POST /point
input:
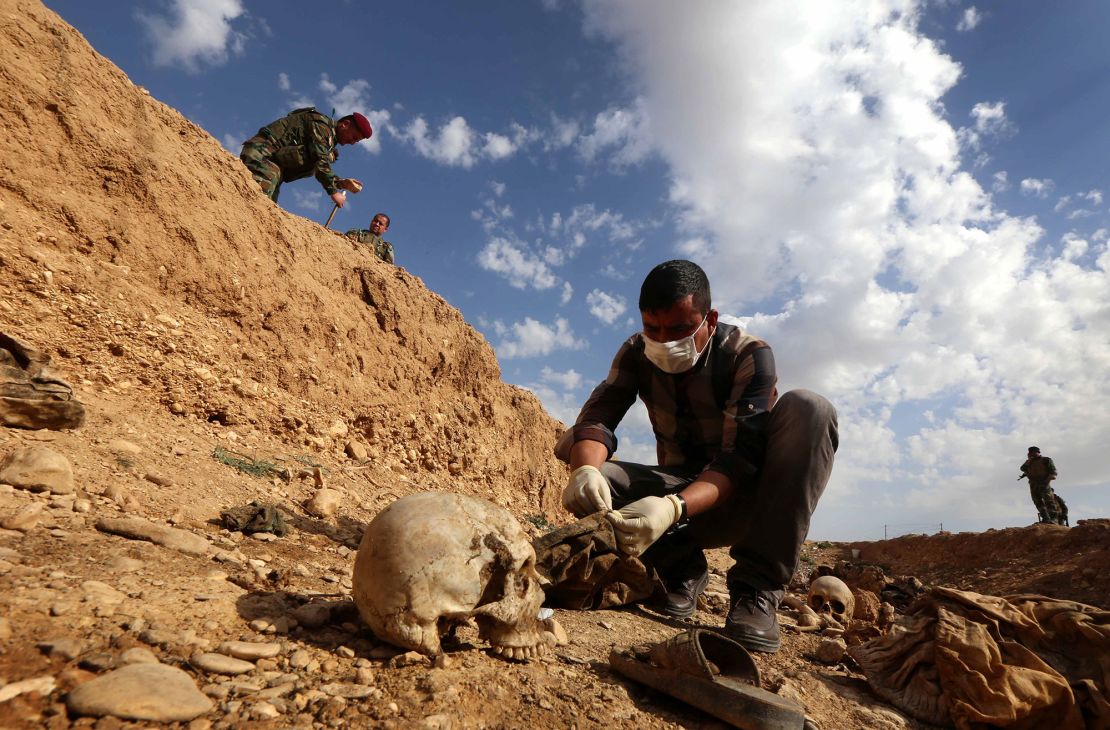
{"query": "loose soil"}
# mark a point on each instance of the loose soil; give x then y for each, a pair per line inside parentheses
(200, 323)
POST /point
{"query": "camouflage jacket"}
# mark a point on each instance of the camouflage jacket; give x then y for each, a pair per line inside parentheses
(304, 144)
(383, 249)
(1039, 470)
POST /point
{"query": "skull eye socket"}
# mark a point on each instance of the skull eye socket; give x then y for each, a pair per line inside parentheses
(837, 607)
(816, 602)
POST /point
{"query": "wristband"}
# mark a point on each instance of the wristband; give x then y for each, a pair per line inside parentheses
(680, 506)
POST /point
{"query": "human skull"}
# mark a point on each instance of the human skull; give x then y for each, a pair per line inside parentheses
(432, 560)
(830, 597)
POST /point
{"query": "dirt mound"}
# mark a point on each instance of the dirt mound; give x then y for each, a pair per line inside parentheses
(1045, 559)
(139, 252)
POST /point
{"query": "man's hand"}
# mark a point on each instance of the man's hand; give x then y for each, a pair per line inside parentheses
(587, 492)
(349, 183)
(644, 521)
(339, 197)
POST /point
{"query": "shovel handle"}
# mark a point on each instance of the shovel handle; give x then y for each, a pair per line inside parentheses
(331, 215)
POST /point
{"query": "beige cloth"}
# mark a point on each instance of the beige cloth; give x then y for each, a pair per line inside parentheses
(975, 661)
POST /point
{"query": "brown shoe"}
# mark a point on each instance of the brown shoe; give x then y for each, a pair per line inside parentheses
(753, 620)
(684, 583)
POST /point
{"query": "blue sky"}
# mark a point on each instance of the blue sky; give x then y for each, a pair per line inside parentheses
(905, 199)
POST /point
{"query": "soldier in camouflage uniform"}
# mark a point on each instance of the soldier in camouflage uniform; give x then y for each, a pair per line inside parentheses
(373, 237)
(1041, 471)
(302, 144)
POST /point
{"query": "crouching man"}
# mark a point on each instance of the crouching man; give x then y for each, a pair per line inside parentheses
(736, 468)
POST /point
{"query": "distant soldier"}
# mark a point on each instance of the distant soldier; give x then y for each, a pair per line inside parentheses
(300, 144)
(373, 237)
(1041, 471)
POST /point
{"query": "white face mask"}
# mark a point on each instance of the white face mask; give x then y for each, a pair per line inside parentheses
(677, 356)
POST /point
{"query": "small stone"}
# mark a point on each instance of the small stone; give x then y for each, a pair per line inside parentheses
(356, 451)
(221, 664)
(365, 675)
(264, 711)
(346, 652)
(43, 685)
(347, 691)
(154, 692)
(101, 661)
(123, 564)
(250, 650)
(556, 629)
(137, 528)
(338, 429)
(299, 659)
(37, 469)
(160, 480)
(82, 505)
(122, 446)
(26, 518)
(159, 637)
(261, 625)
(605, 625)
(437, 722)
(831, 651)
(138, 655)
(167, 320)
(68, 649)
(324, 504)
(408, 659)
(5, 628)
(384, 651)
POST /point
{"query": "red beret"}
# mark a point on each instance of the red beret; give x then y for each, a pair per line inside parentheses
(363, 125)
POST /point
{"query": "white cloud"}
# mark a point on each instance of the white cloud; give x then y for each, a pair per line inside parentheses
(622, 133)
(498, 188)
(520, 267)
(1001, 182)
(354, 96)
(531, 338)
(989, 118)
(233, 142)
(587, 218)
(283, 81)
(1037, 188)
(606, 307)
(821, 171)
(568, 292)
(306, 199)
(195, 33)
(969, 20)
(456, 144)
(1094, 197)
(569, 380)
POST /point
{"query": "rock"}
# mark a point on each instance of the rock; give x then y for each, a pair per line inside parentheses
(250, 650)
(122, 446)
(123, 564)
(346, 652)
(154, 692)
(347, 691)
(82, 505)
(556, 629)
(264, 711)
(160, 480)
(867, 606)
(159, 637)
(221, 664)
(831, 651)
(338, 429)
(299, 659)
(167, 320)
(437, 722)
(138, 655)
(312, 615)
(26, 518)
(101, 595)
(37, 469)
(137, 528)
(356, 451)
(68, 649)
(408, 659)
(5, 628)
(42, 685)
(324, 504)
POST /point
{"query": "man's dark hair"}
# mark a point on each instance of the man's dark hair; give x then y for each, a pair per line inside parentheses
(1034, 448)
(383, 215)
(671, 281)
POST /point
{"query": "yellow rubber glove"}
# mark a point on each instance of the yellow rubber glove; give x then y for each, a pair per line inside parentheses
(641, 523)
(587, 492)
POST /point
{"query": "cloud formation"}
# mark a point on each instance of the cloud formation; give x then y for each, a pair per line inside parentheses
(606, 307)
(824, 188)
(531, 338)
(194, 33)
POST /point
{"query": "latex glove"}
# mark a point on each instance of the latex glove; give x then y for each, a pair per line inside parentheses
(339, 197)
(641, 523)
(587, 492)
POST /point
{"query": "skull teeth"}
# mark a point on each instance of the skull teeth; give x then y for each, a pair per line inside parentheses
(520, 653)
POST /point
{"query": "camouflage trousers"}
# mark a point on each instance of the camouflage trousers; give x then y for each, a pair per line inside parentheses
(256, 155)
(1044, 500)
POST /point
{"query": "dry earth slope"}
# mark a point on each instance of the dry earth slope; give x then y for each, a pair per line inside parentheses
(116, 210)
